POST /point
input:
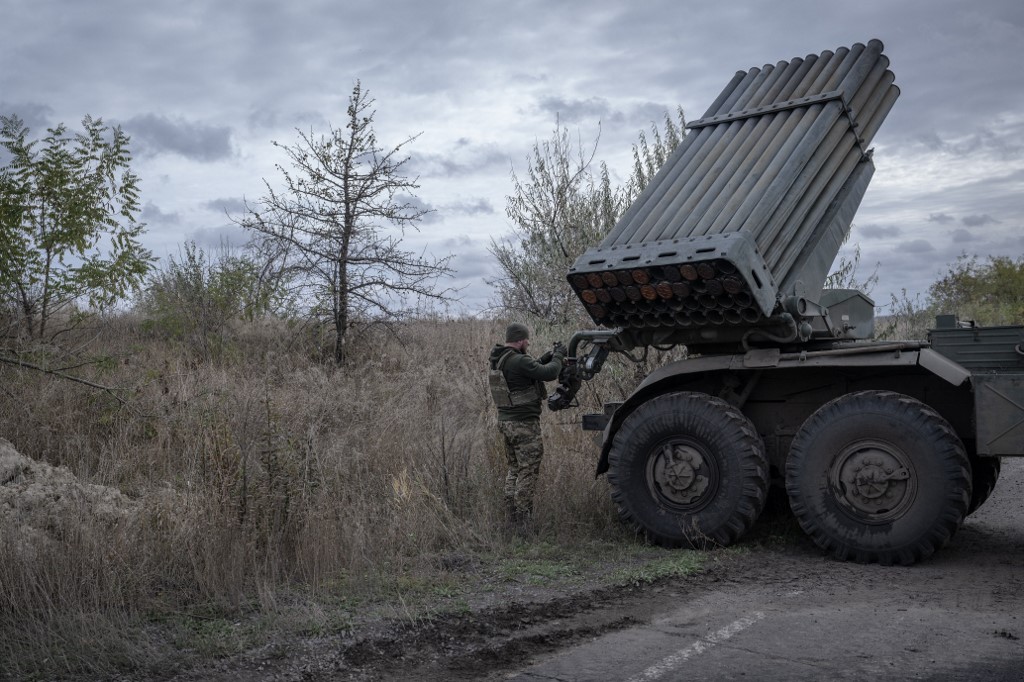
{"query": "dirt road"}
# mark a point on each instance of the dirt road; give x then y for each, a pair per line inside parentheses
(789, 614)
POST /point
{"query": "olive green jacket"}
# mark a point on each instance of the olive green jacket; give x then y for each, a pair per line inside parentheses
(523, 372)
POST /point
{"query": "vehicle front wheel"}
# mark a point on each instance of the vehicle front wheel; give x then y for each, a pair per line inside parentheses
(688, 469)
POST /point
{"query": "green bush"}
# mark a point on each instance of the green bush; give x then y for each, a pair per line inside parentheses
(194, 298)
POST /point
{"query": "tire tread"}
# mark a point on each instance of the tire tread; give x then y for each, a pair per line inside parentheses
(954, 462)
(753, 469)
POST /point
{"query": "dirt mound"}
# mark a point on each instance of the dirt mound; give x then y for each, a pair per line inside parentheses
(40, 503)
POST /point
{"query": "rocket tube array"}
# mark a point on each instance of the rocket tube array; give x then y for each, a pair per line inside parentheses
(790, 138)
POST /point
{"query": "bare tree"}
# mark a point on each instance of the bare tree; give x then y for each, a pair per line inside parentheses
(342, 192)
(558, 209)
(562, 206)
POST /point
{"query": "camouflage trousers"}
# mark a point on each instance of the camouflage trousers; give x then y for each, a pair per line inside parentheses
(523, 451)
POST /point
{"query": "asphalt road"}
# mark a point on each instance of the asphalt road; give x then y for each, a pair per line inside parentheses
(792, 614)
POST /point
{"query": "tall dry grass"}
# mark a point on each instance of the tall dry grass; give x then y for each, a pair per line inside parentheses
(261, 473)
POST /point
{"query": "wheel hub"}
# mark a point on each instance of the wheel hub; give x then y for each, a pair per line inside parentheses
(874, 480)
(677, 474)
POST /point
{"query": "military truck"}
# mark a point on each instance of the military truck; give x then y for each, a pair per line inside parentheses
(882, 447)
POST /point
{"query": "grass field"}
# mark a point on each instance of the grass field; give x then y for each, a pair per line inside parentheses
(260, 480)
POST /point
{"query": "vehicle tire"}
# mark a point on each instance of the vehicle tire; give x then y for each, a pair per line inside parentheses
(878, 476)
(984, 474)
(688, 469)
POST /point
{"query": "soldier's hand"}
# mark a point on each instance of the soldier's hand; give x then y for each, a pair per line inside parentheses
(559, 349)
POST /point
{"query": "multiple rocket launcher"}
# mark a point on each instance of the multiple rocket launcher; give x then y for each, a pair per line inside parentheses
(752, 207)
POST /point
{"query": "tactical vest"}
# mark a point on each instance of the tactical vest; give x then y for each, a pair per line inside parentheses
(503, 397)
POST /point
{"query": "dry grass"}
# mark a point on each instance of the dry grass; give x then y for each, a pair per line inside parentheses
(259, 476)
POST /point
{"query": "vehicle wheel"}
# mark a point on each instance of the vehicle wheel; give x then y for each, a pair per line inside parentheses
(878, 476)
(984, 474)
(688, 469)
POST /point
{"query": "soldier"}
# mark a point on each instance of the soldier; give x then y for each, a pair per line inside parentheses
(517, 385)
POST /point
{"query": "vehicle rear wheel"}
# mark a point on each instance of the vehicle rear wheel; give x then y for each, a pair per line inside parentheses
(688, 469)
(984, 474)
(878, 476)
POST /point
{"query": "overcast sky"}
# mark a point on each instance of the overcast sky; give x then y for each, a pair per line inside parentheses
(204, 86)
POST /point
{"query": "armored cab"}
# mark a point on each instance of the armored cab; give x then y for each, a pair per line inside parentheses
(882, 447)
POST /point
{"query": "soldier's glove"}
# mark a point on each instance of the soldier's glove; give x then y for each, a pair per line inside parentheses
(559, 351)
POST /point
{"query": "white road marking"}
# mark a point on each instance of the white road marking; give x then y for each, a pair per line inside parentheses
(669, 663)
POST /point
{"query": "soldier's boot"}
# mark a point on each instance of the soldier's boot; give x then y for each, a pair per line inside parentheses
(522, 525)
(511, 515)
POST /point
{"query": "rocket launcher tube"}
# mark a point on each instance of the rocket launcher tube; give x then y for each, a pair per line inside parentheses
(766, 185)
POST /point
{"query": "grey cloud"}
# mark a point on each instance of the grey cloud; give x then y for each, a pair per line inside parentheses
(993, 201)
(600, 109)
(916, 246)
(1001, 142)
(465, 159)
(151, 213)
(912, 266)
(930, 141)
(37, 117)
(471, 262)
(272, 119)
(877, 231)
(978, 220)
(416, 205)
(461, 243)
(436, 214)
(472, 259)
(270, 67)
(1004, 242)
(153, 134)
(654, 113)
(474, 266)
(477, 207)
(576, 110)
(228, 235)
(232, 206)
(916, 270)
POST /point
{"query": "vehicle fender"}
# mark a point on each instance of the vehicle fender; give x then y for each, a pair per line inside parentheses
(878, 354)
(659, 381)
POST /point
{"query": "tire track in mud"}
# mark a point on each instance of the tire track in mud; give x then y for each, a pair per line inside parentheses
(473, 646)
